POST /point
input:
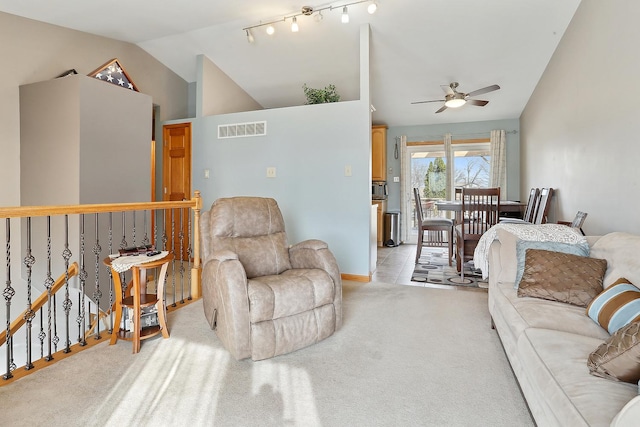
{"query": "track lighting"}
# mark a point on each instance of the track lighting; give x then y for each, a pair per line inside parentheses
(345, 15)
(310, 11)
(250, 38)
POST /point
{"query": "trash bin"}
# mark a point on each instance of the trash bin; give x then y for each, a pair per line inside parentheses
(391, 229)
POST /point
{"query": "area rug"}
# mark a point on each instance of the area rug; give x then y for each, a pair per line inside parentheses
(433, 267)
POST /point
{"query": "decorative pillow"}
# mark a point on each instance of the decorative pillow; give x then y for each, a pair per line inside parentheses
(616, 306)
(523, 245)
(557, 276)
(618, 358)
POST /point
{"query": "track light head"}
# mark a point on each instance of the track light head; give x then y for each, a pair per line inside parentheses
(345, 15)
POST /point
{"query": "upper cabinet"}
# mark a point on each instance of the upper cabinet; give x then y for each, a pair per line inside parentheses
(378, 153)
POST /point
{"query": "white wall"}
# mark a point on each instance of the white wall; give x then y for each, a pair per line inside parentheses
(579, 131)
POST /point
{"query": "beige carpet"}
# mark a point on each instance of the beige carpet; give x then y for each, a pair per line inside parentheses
(406, 356)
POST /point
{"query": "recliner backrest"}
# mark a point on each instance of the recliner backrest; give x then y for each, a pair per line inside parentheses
(251, 227)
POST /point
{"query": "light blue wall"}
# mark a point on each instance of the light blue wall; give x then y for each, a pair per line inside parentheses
(458, 131)
(309, 146)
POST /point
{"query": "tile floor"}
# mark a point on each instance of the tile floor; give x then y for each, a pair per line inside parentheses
(395, 265)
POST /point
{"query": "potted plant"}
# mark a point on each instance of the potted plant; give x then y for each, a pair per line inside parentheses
(320, 96)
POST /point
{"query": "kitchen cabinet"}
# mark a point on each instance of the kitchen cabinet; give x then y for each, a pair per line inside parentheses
(379, 153)
(382, 208)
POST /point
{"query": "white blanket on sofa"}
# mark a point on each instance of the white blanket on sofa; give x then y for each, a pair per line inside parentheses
(532, 232)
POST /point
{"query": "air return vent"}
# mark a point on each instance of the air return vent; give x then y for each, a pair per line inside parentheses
(240, 130)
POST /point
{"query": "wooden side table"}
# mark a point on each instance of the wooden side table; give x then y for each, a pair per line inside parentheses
(138, 300)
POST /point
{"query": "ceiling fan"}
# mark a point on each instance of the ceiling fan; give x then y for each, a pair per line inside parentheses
(455, 99)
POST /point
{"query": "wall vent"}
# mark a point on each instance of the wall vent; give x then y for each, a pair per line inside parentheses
(240, 130)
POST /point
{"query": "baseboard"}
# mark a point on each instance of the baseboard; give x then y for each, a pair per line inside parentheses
(355, 277)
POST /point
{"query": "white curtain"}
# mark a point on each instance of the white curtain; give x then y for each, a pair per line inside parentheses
(498, 167)
(405, 194)
(448, 150)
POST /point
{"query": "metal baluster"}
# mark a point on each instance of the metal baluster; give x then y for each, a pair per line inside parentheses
(173, 248)
(29, 314)
(123, 242)
(164, 230)
(83, 279)
(109, 274)
(145, 239)
(66, 305)
(56, 339)
(181, 237)
(8, 294)
(97, 294)
(133, 231)
(41, 334)
(48, 284)
(189, 253)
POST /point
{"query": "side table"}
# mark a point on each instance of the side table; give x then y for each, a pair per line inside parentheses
(140, 299)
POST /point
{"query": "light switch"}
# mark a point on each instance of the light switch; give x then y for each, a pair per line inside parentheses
(396, 179)
(206, 174)
(347, 170)
(271, 172)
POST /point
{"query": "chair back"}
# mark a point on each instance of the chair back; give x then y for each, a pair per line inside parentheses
(252, 228)
(532, 205)
(482, 207)
(544, 204)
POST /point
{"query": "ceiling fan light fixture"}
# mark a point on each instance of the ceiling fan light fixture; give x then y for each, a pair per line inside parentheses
(455, 101)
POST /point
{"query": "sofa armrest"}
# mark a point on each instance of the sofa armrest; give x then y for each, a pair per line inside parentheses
(495, 266)
(629, 415)
(226, 303)
(316, 254)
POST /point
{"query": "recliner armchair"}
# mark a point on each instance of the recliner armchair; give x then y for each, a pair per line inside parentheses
(261, 297)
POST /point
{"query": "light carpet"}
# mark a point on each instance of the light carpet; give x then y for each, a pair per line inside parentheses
(433, 267)
(405, 356)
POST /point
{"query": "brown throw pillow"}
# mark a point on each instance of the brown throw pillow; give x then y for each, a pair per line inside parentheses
(618, 358)
(561, 277)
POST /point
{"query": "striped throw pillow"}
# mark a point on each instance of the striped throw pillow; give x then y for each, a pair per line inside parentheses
(616, 306)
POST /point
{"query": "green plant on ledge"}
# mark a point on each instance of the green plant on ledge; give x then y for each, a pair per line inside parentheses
(320, 96)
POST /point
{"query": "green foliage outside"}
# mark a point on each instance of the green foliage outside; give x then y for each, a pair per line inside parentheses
(435, 182)
(320, 96)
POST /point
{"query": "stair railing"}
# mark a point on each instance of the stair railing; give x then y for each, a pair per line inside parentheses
(74, 241)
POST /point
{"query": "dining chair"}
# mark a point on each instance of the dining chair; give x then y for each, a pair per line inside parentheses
(434, 228)
(544, 203)
(529, 212)
(482, 206)
(577, 222)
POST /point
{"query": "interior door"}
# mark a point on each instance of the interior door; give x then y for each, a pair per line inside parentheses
(176, 183)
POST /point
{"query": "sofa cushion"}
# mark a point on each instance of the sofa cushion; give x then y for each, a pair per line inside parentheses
(618, 358)
(289, 293)
(561, 277)
(616, 306)
(555, 364)
(621, 252)
(521, 313)
(523, 245)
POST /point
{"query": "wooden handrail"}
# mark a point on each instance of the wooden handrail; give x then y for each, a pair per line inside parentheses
(40, 301)
(33, 211)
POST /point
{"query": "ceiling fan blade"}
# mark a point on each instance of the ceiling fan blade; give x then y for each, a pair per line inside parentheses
(424, 102)
(477, 102)
(484, 90)
(447, 89)
(444, 107)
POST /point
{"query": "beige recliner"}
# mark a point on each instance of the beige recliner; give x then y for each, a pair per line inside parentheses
(262, 297)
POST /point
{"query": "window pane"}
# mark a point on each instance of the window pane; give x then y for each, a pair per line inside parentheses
(471, 167)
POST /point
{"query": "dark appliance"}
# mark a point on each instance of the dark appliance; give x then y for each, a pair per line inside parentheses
(379, 190)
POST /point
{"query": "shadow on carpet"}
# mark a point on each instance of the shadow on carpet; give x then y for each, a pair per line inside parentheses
(433, 267)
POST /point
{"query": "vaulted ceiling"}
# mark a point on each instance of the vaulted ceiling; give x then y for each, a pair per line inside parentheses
(416, 46)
